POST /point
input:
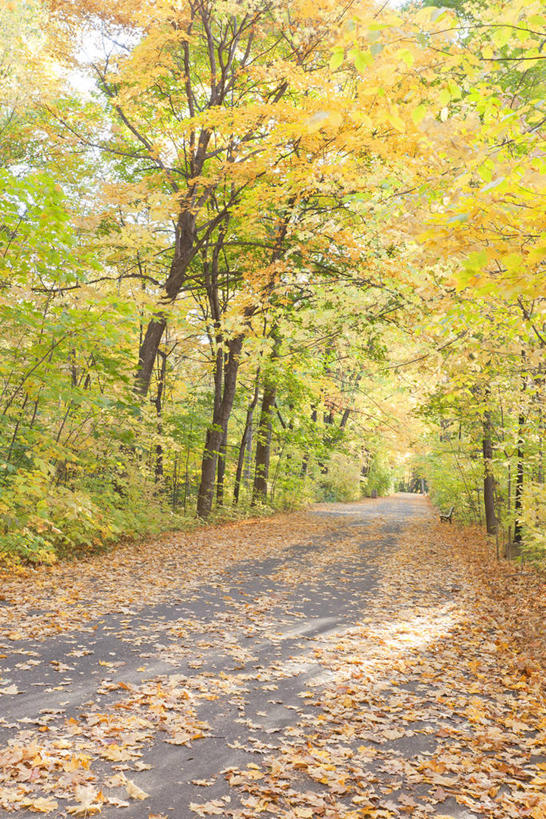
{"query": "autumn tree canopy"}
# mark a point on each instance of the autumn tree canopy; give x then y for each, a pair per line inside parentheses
(260, 252)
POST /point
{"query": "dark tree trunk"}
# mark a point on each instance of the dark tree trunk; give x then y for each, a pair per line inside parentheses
(263, 434)
(488, 479)
(263, 444)
(159, 409)
(305, 460)
(247, 468)
(221, 471)
(185, 250)
(518, 498)
(518, 495)
(247, 435)
(213, 441)
(225, 381)
(328, 418)
(148, 352)
(208, 472)
(541, 425)
(187, 470)
(290, 427)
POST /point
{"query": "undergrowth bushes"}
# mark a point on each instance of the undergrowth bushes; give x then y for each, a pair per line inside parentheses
(42, 521)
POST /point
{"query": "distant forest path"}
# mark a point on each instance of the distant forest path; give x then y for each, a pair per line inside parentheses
(358, 660)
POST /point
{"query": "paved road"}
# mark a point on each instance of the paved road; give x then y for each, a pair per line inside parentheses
(243, 649)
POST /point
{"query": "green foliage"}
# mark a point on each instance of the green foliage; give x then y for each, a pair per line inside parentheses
(453, 479)
(341, 483)
(281, 207)
(534, 523)
(379, 476)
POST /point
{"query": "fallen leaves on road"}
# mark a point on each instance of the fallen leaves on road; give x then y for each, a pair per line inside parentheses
(423, 699)
(447, 671)
(53, 599)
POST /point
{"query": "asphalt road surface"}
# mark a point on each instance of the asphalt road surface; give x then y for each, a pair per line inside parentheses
(245, 650)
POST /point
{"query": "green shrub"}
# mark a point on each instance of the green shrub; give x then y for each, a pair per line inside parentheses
(342, 480)
(378, 479)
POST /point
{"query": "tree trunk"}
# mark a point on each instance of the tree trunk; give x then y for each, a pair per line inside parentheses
(263, 444)
(539, 398)
(221, 471)
(247, 433)
(328, 419)
(185, 249)
(159, 409)
(290, 428)
(488, 478)
(148, 352)
(305, 460)
(518, 497)
(277, 471)
(224, 393)
(187, 471)
(344, 418)
(174, 493)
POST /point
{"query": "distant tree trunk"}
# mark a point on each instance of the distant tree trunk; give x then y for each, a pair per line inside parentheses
(344, 418)
(347, 410)
(518, 495)
(277, 471)
(263, 444)
(305, 459)
(509, 506)
(225, 381)
(159, 409)
(174, 493)
(263, 435)
(187, 470)
(488, 478)
(539, 398)
(247, 435)
(247, 469)
(328, 419)
(221, 471)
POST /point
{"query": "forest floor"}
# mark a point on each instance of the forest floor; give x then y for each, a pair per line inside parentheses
(359, 660)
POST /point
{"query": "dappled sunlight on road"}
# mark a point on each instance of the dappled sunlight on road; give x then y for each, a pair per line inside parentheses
(414, 632)
(358, 673)
(409, 711)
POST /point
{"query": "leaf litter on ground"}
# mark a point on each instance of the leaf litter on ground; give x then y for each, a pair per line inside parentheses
(432, 699)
